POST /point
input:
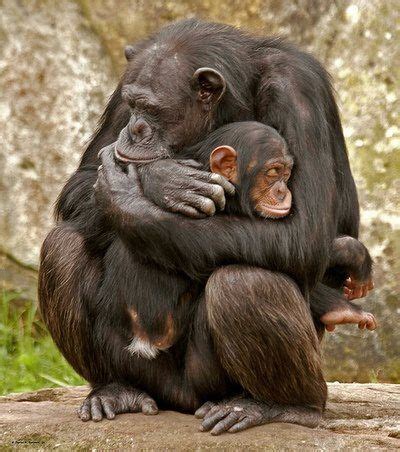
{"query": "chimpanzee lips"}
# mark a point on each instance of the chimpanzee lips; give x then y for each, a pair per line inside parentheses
(146, 150)
(141, 158)
(267, 211)
(277, 212)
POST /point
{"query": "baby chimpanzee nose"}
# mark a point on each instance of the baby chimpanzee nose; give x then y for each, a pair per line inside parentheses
(140, 129)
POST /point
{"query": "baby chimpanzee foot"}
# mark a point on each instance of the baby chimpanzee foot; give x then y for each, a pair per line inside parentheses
(354, 288)
(365, 320)
(240, 413)
(107, 401)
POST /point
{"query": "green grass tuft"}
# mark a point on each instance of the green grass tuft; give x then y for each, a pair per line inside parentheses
(29, 359)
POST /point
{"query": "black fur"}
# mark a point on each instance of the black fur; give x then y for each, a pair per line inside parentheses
(269, 81)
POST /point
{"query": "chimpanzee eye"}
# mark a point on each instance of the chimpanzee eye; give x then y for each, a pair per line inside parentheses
(273, 172)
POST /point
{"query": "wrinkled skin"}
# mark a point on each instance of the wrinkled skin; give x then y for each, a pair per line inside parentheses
(364, 320)
(190, 191)
(240, 413)
(113, 399)
(354, 288)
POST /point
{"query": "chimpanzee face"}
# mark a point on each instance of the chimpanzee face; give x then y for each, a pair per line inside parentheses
(270, 195)
(266, 175)
(170, 106)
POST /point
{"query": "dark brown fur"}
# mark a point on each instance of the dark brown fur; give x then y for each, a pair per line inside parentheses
(218, 355)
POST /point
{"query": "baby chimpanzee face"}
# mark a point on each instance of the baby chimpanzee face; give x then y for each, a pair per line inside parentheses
(269, 194)
(261, 169)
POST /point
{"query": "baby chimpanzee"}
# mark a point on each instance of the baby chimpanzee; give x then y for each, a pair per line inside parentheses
(255, 158)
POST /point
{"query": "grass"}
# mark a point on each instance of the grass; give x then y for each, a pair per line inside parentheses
(29, 359)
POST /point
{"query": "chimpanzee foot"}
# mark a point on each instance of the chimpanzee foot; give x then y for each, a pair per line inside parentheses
(239, 413)
(115, 398)
(365, 320)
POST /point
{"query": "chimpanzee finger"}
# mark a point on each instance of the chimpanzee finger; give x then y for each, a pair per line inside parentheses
(108, 409)
(358, 292)
(215, 194)
(149, 406)
(371, 323)
(364, 291)
(225, 184)
(109, 148)
(370, 284)
(190, 163)
(96, 409)
(201, 203)
(204, 409)
(349, 283)
(330, 328)
(84, 411)
(109, 165)
(187, 210)
(214, 178)
(225, 424)
(213, 417)
(244, 424)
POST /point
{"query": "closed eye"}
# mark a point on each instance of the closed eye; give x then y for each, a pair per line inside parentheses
(272, 172)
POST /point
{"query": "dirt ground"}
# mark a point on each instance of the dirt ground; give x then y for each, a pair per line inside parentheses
(358, 417)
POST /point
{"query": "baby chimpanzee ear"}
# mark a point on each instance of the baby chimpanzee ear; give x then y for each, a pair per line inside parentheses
(210, 86)
(223, 160)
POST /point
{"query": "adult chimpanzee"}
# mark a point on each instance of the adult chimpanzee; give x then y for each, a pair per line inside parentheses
(188, 79)
(254, 157)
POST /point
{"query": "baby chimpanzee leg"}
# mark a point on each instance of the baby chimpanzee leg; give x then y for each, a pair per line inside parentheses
(266, 340)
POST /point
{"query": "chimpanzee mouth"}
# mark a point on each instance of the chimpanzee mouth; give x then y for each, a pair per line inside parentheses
(146, 150)
(119, 155)
(274, 212)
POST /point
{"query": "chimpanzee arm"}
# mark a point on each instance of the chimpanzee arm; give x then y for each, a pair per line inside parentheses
(76, 206)
(352, 256)
(350, 268)
(197, 247)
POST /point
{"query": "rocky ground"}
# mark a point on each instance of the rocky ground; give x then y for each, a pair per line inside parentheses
(358, 417)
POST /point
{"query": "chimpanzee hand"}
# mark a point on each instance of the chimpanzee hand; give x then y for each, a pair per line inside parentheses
(115, 398)
(180, 187)
(232, 415)
(116, 186)
(354, 288)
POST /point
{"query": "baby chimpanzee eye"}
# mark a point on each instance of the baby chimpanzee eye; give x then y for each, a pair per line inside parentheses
(272, 172)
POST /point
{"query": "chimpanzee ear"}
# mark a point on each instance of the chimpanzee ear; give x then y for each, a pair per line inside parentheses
(130, 52)
(223, 160)
(210, 86)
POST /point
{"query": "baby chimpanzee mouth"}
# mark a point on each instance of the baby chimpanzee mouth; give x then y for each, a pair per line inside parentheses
(273, 211)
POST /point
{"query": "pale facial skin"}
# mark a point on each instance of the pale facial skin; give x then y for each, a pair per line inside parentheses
(270, 194)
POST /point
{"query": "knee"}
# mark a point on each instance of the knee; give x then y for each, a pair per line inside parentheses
(241, 284)
(61, 242)
(63, 255)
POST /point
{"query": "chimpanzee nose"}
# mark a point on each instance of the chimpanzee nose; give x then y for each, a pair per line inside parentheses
(140, 129)
(281, 191)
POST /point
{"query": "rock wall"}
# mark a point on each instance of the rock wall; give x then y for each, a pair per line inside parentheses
(55, 79)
